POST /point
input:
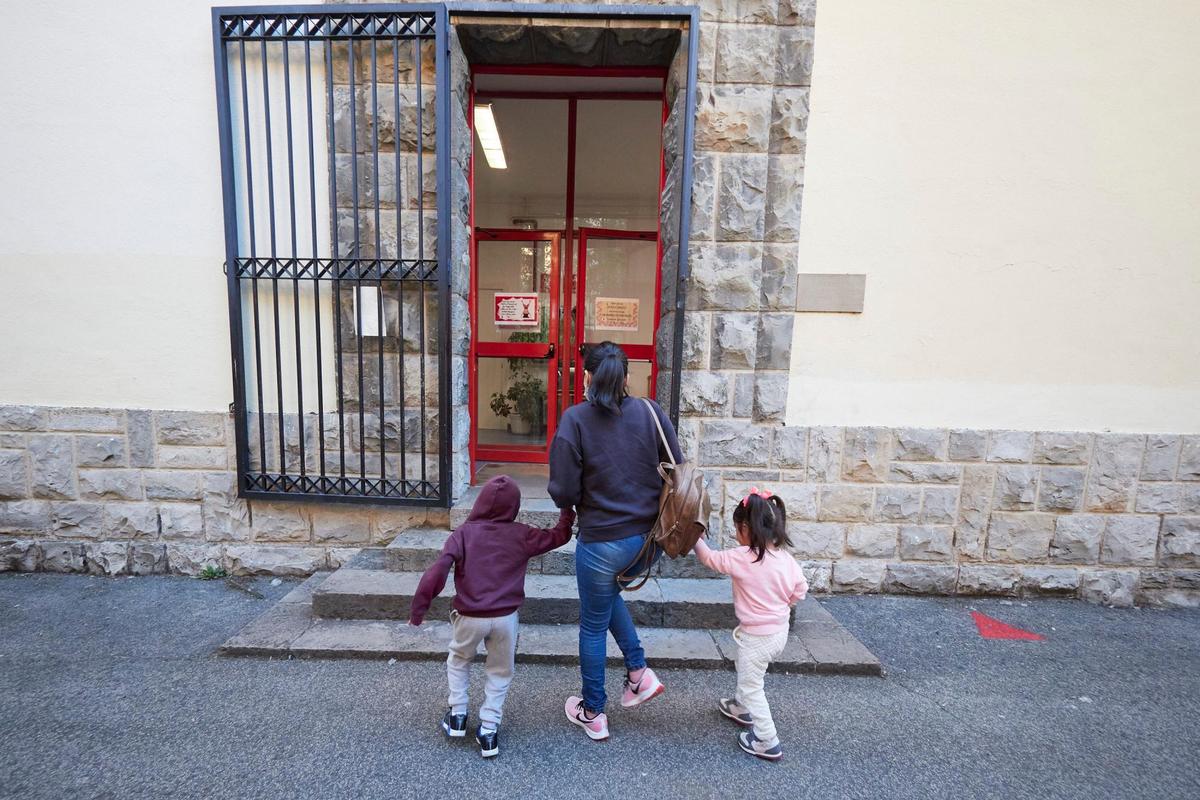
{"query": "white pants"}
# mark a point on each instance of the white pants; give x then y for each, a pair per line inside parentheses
(499, 636)
(754, 655)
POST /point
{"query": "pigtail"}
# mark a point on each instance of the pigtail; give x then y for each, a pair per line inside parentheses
(780, 529)
(766, 520)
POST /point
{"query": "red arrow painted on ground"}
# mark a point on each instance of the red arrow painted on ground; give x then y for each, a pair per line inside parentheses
(990, 628)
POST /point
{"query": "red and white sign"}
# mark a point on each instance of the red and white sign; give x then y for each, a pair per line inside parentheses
(516, 310)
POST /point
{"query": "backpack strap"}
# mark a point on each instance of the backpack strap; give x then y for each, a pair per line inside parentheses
(661, 433)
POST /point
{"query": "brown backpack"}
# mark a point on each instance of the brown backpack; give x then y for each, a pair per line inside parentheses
(683, 510)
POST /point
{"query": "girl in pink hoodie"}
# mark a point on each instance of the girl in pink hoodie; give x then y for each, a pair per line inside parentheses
(767, 582)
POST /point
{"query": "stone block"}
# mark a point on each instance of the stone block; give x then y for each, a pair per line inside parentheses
(865, 454)
(745, 54)
(841, 503)
(182, 521)
(129, 521)
(794, 56)
(1050, 447)
(974, 510)
(110, 484)
(22, 418)
(940, 505)
(967, 445)
(1013, 447)
(777, 285)
(920, 578)
(1112, 480)
(1111, 587)
(797, 12)
(1189, 458)
(872, 541)
(824, 454)
(141, 438)
(1180, 542)
(785, 192)
(729, 443)
(280, 560)
(919, 444)
(917, 472)
(165, 484)
(1189, 498)
(790, 448)
(147, 558)
(78, 520)
(988, 580)
(186, 457)
(1158, 498)
(819, 575)
(704, 197)
(852, 575)
(100, 451)
(87, 420)
(742, 198)
(52, 467)
(106, 558)
(770, 396)
(1061, 489)
(1077, 539)
(226, 518)
(789, 119)
(926, 542)
(897, 504)
(19, 555)
(817, 539)
(725, 276)
(1050, 580)
(799, 499)
(731, 118)
(190, 428)
(25, 517)
(1019, 536)
(704, 393)
(1186, 579)
(14, 475)
(774, 350)
(341, 526)
(191, 559)
(280, 523)
(62, 557)
(734, 341)
(1161, 458)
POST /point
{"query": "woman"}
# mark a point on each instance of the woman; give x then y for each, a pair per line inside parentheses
(604, 462)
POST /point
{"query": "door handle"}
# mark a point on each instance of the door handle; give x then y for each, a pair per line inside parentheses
(549, 351)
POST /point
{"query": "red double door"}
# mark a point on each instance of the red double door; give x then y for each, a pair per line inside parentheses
(537, 310)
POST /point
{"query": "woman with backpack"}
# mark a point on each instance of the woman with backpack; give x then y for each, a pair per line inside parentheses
(604, 461)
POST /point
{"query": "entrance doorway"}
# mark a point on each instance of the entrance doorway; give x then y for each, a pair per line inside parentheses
(566, 177)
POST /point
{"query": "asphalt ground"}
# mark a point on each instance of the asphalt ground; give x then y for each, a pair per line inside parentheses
(110, 688)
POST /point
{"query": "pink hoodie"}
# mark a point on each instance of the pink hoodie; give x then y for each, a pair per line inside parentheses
(763, 592)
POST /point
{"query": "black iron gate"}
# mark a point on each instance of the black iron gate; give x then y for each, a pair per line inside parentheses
(334, 126)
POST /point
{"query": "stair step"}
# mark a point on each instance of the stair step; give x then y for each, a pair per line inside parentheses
(417, 548)
(289, 629)
(549, 599)
(540, 512)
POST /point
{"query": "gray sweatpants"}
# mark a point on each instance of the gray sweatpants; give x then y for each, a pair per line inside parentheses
(499, 636)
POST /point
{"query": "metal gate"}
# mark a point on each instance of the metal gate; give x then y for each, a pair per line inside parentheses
(334, 128)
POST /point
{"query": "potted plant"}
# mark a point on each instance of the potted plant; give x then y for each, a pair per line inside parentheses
(523, 403)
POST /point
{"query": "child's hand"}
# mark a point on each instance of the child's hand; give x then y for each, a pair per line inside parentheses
(414, 623)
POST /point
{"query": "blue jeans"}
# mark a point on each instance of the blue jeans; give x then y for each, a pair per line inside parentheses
(601, 610)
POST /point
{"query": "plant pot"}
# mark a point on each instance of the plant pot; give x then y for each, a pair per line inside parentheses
(518, 426)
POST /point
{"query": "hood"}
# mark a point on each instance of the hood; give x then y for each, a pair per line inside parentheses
(499, 501)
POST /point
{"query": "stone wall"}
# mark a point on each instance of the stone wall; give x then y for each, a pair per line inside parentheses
(112, 491)
(1112, 518)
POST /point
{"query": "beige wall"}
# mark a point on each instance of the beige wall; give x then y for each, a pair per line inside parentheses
(1020, 182)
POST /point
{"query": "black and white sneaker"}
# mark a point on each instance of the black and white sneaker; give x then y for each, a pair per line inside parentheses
(455, 725)
(756, 747)
(489, 741)
(735, 712)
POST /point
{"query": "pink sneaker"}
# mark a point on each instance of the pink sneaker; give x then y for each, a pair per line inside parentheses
(596, 728)
(645, 689)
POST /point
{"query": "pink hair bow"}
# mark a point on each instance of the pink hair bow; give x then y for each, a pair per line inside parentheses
(754, 490)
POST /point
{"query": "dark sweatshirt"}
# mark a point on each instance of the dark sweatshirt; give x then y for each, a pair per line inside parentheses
(606, 466)
(489, 553)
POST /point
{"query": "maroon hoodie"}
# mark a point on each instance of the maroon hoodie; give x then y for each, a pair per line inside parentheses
(489, 553)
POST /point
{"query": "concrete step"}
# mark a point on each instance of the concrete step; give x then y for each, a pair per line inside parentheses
(549, 599)
(540, 512)
(417, 548)
(289, 629)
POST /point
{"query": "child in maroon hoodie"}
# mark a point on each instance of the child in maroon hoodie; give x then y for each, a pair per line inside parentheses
(489, 553)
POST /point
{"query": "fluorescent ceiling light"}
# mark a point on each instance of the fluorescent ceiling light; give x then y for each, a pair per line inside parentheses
(489, 136)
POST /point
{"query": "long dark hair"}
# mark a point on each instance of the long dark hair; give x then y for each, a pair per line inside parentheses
(609, 367)
(766, 520)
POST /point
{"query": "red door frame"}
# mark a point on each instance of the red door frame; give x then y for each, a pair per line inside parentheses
(567, 335)
(547, 350)
(638, 352)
